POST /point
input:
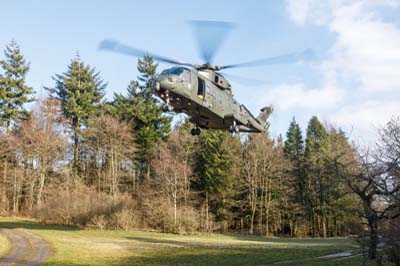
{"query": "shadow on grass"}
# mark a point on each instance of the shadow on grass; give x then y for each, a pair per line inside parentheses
(34, 226)
(193, 254)
(193, 257)
(233, 257)
(333, 244)
(238, 245)
(161, 241)
(300, 241)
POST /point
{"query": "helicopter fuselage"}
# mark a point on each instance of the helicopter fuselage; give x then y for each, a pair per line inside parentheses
(206, 97)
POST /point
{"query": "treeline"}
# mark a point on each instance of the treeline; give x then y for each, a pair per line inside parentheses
(81, 160)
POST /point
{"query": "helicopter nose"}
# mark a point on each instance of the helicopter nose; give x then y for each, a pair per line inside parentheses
(165, 82)
(155, 84)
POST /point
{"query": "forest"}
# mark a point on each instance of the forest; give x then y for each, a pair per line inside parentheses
(77, 158)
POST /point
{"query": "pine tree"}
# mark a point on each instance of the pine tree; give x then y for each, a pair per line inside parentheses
(147, 68)
(294, 151)
(14, 93)
(341, 203)
(316, 147)
(143, 112)
(213, 162)
(152, 124)
(213, 167)
(80, 91)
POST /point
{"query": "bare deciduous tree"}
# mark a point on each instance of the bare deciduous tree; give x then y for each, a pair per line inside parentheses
(111, 143)
(376, 181)
(173, 170)
(41, 142)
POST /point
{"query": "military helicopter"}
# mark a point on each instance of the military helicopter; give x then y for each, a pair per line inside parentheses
(201, 90)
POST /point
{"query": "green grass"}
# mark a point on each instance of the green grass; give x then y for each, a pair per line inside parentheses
(75, 247)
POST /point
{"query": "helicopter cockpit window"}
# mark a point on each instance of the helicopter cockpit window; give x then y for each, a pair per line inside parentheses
(176, 71)
(182, 73)
(165, 72)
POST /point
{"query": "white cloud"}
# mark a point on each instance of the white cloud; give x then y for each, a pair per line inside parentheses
(366, 49)
(364, 61)
(285, 97)
(364, 118)
(306, 11)
(298, 10)
(322, 12)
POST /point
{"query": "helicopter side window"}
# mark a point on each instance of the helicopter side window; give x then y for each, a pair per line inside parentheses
(216, 79)
(201, 90)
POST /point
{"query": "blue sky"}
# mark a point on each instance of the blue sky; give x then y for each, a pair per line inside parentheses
(354, 84)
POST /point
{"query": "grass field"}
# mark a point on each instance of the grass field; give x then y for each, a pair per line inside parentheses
(75, 247)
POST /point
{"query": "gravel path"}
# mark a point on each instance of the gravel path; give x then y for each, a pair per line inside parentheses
(27, 248)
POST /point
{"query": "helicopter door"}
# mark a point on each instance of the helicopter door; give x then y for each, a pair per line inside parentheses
(201, 90)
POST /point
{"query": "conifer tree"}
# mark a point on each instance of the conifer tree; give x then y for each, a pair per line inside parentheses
(14, 93)
(213, 165)
(152, 124)
(341, 203)
(316, 147)
(80, 91)
(294, 151)
(143, 112)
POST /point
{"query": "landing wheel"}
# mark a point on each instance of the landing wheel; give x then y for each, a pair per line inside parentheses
(168, 108)
(195, 131)
(234, 128)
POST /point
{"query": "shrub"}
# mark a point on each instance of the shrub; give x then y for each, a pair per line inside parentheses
(159, 214)
(125, 219)
(99, 221)
(84, 206)
(188, 220)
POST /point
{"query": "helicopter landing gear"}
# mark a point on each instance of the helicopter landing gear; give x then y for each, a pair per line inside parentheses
(195, 131)
(234, 128)
(168, 107)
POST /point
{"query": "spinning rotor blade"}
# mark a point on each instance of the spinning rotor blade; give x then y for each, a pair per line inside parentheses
(114, 46)
(210, 35)
(305, 55)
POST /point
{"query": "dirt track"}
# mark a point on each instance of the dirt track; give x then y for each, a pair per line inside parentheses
(27, 248)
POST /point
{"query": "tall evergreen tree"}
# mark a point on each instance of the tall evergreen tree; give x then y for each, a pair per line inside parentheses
(213, 166)
(143, 112)
(294, 151)
(147, 69)
(14, 93)
(316, 147)
(80, 91)
(341, 204)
